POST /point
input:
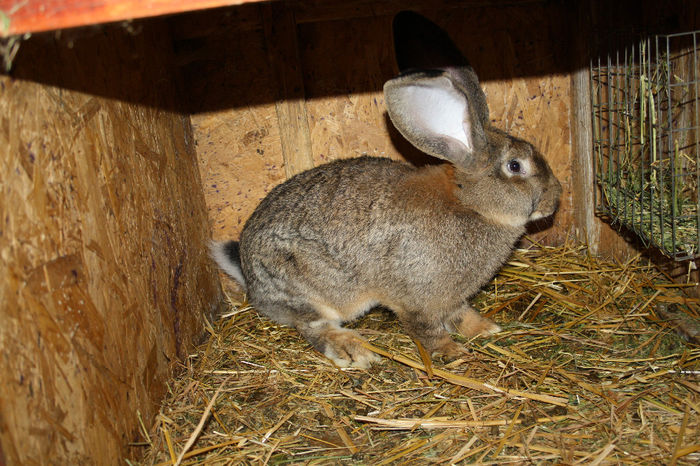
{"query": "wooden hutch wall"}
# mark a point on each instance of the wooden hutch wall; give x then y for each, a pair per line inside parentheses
(277, 88)
(105, 274)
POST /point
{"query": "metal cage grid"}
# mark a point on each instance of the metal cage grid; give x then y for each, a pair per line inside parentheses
(645, 108)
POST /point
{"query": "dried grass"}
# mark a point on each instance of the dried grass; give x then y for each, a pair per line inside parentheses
(585, 371)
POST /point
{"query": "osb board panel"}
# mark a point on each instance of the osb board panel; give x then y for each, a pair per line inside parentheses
(105, 274)
(518, 51)
(239, 167)
(231, 97)
(343, 78)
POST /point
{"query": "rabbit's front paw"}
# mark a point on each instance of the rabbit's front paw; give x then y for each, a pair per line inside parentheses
(450, 350)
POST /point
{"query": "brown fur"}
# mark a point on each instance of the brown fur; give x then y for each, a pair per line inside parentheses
(433, 185)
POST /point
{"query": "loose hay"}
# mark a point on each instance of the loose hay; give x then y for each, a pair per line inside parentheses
(588, 369)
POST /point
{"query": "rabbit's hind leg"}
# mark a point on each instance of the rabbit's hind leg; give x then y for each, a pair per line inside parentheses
(341, 345)
(431, 333)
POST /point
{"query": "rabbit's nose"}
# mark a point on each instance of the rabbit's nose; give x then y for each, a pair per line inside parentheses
(552, 195)
(548, 202)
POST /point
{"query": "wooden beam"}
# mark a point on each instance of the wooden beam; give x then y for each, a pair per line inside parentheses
(283, 53)
(22, 16)
(587, 227)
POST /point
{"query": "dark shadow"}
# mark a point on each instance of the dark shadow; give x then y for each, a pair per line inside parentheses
(194, 48)
(129, 63)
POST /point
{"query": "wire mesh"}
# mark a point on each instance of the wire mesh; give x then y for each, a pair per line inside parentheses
(645, 107)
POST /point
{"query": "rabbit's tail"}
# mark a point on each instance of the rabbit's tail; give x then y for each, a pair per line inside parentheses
(228, 256)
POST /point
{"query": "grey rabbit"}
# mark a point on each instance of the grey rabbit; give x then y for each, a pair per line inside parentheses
(331, 243)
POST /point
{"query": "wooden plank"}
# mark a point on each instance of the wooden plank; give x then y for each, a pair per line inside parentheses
(105, 277)
(311, 11)
(207, 23)
(283, 53)
(22, 16)
(231, 91)
(347, 116)
(586, 227)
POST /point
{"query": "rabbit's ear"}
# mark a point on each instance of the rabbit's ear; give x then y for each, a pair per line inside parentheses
(431, 110)
(437, 102)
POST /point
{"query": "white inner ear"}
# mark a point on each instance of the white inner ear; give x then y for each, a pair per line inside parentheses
(440, 111)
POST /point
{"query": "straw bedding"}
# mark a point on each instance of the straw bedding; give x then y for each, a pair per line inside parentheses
(598, 363)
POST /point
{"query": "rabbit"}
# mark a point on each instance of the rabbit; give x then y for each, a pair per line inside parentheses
(335, 241)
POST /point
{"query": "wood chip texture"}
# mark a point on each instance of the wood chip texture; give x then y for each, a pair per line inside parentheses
(103, 233)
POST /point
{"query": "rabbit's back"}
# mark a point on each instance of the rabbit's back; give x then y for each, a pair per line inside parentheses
(359, 232)
(328, 196)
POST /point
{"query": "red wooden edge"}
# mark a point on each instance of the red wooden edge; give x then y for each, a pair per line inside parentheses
(22, 16)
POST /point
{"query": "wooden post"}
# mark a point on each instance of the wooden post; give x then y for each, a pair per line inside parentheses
(283, 53)
(587, 229)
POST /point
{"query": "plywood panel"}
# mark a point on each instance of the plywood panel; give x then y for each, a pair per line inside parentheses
(239, 163)
(283, 56)
(231, 95)
(343, 78)
(519, 51)
(105, 276)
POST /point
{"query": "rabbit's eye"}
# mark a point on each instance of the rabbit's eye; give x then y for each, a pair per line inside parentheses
(514, 166)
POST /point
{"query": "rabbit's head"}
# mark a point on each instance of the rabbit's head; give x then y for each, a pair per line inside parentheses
(438, 105)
